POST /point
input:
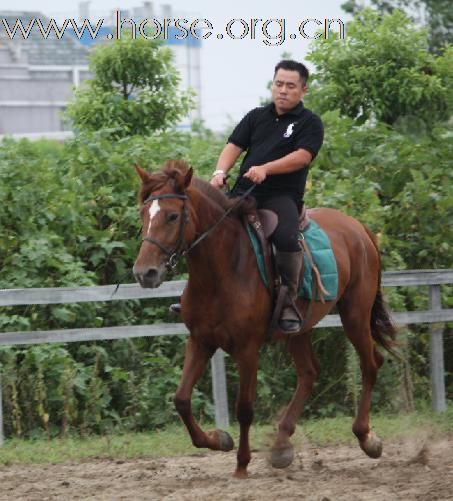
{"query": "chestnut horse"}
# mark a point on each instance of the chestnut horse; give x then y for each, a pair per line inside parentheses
(226, 305)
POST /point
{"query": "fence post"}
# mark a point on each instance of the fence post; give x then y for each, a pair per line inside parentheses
(1, 413)
(219, 389)
(436, 354)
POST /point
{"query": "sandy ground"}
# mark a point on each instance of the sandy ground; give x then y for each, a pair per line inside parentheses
(410, 469)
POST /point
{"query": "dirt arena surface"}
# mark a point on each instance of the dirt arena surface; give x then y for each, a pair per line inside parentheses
(415, 469)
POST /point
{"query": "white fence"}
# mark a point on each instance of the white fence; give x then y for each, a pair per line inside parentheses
(13, 297)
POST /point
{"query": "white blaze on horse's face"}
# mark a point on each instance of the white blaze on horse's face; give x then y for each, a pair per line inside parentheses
(153, 211)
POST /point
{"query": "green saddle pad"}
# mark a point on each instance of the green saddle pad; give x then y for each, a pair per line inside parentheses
(322, 254)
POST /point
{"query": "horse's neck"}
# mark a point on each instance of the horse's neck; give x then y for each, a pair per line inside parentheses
(218, 255)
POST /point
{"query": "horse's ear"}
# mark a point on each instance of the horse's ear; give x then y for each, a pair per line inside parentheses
(188, 177)
(144, 176)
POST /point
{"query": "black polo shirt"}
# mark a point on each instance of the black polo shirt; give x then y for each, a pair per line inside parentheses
(267, 136)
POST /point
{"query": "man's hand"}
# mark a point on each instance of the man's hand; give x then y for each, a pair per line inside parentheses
(256, 174)
(218, 180)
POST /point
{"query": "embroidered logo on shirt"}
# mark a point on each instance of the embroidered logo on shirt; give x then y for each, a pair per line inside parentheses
(290, 129)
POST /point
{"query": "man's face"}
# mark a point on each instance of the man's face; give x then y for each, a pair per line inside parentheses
(287, 90)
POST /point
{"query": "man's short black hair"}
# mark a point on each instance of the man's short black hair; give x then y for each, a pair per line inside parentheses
(291, 65)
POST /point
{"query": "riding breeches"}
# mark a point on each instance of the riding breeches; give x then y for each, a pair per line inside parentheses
(286, 235)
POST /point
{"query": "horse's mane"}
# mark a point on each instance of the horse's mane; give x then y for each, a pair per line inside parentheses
(176, 171)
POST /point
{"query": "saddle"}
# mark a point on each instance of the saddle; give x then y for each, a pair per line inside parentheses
(268, 220)
(264, 221)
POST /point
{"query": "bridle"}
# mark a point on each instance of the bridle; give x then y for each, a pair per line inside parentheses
(173, 255)
(179, 251)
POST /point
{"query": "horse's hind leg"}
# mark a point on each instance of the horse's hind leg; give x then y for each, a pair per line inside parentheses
(356, 322)
(307, 368)
(195, 362)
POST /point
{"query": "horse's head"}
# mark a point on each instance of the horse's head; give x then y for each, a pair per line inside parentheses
(165, 218)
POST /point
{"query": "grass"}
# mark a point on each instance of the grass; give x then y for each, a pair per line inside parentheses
(175, 441)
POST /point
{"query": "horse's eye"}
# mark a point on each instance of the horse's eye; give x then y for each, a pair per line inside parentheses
(173, 217)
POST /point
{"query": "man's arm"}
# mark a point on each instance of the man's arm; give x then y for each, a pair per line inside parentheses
(227, 158)
(296, 160)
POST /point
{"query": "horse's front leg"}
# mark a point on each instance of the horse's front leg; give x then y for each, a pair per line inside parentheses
(248, 367)
(195, 362)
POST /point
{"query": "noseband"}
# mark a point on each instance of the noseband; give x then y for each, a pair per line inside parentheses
(173, 255)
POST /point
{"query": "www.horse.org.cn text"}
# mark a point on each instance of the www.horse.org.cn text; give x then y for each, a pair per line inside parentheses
(271, 32)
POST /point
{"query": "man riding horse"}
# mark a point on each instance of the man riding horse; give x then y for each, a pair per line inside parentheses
(179, 212)
(280, 140)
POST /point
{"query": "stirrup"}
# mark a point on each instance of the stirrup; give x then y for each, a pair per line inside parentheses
(291, 325)
(175, 308)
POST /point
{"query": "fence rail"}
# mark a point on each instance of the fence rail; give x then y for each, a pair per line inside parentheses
(63, 295)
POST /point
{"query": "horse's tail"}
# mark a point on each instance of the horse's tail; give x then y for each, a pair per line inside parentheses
(382, 328)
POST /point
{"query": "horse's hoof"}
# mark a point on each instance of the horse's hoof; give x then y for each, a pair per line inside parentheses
(226, 443)
(372, 445)
(240, 474)
(282, 457)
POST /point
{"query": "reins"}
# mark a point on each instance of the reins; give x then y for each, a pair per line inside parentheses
(217, 223)
(179, 252)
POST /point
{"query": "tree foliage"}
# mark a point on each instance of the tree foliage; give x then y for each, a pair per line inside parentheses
(383, 71)
(134, 90)
(437, 15)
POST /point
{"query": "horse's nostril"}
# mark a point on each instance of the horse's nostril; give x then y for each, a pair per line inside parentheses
(150, 274)
(147, 277)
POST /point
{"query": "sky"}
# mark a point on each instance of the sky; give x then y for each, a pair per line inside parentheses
(234, 72)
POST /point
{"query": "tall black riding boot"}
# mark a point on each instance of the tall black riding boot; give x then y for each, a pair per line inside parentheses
(290, 267)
